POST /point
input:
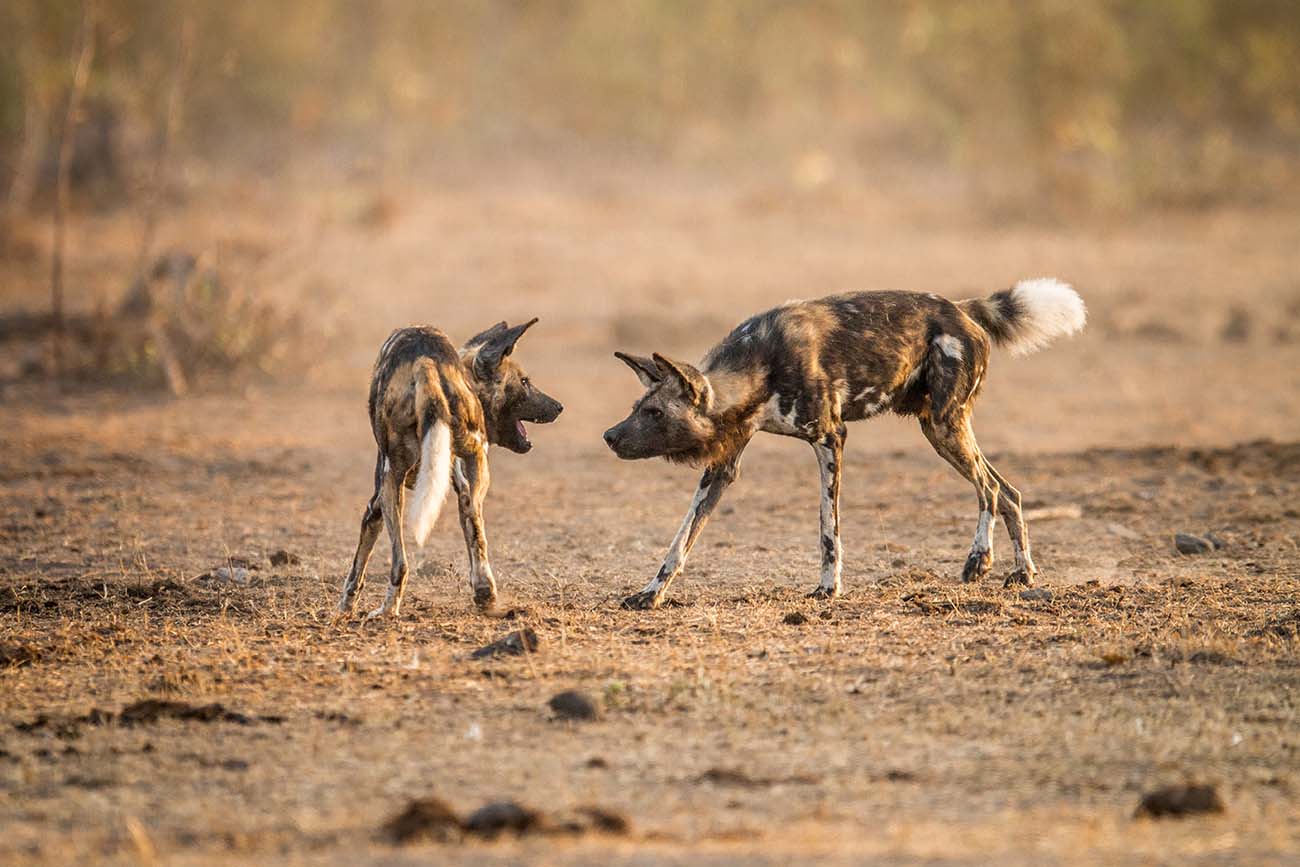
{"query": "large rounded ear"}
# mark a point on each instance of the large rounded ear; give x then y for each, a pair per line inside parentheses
(695, 385)
(497, 346)
(645, 368)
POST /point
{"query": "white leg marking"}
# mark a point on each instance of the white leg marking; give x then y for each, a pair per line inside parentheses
(677, 551)
(830, 577)
(983, 533)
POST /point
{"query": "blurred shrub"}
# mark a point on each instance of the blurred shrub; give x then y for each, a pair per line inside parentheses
(1169, 101)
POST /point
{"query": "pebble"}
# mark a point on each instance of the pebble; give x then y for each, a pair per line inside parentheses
(1186, 543)
(1036, 594)
(573, 705)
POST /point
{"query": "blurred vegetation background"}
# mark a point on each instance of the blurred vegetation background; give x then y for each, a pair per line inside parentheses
(1097, 103)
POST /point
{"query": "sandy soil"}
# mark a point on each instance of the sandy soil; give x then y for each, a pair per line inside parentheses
(914, 720)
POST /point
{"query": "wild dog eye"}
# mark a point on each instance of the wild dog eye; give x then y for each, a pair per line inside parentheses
(652, 411)
(526, 382)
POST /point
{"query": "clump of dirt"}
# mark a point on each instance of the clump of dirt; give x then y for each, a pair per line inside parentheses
(574, 705)
(143, 712)
(434, 820)
(516, 643)
(795, 618)
(736, 778)
(1182, 800)
(285, 558)
(423, 819)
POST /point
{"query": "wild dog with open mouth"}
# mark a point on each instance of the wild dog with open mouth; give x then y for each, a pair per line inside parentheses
(434, 411)
(805, 368)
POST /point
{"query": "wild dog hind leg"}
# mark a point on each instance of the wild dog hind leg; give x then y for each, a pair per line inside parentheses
(370, 524)
(471, 478)
(955, 442)
(392, 498)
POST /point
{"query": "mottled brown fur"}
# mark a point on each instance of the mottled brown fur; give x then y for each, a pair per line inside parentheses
(482, 396)
(805, 369)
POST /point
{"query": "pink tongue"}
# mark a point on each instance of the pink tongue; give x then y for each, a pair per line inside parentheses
(519, 428)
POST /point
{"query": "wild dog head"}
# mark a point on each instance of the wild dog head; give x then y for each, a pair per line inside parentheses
(671, 420)
(508, 397)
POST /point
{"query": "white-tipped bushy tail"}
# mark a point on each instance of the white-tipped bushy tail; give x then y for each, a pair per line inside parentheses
(432, 480)
(1029, 315)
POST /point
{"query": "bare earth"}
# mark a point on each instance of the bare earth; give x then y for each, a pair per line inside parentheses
(915, 720)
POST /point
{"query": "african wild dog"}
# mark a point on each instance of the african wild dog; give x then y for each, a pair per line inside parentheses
(807, 367)
(434, 410)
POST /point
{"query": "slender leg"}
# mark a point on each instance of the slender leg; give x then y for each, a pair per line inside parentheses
(715, 480)
(392, 498)
(830, 457)
(1009, 508)
(370, 523)
(955, 442)
(471, 478)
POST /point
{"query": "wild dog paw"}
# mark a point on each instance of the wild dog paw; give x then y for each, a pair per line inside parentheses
(824, 592)
(643, 601)
(977, 566)
(1021, 577)
(485, 597)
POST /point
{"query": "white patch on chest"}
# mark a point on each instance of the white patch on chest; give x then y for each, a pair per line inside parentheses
(949, 346)
(773, 421)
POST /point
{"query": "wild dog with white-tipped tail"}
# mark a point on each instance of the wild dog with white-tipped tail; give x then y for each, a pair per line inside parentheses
(806, 368)
(434, 410)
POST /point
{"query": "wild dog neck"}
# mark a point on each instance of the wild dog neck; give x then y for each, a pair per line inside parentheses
(733, 412)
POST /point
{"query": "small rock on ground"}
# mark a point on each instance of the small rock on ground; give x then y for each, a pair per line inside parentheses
(285, 558)
(1183, 800)
(574, 705)
(492, 820)
(1036, 594)
(514, 644)
(795, 618)
(1186, 543)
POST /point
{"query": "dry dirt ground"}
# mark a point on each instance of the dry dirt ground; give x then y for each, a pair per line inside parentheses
(915, 720)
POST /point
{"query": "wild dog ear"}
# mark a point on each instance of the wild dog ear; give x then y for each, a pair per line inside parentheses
(498, 345)
(483, 336)
(695, 385)
(644, 368)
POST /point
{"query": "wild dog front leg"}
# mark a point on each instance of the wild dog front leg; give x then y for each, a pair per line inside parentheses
(830, 454)
(471, 478)
(715, 480)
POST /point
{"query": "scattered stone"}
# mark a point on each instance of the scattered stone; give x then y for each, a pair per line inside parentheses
(285, 558)
(1036, 594)
(492, 820)
(1183, 800)
(597, 762)
(736, 778)
(795, 618)
(229, 575)
(574, 705)
(1186, 543)
(517, 643)
(423, 819)
(1214, 540)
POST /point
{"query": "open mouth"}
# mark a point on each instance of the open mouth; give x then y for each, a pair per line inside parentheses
(521, 432)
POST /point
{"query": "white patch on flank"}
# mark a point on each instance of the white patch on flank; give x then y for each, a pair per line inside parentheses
(432, 481)
(872, 408)
(1048, 309)
(949, 346)
(864, 394)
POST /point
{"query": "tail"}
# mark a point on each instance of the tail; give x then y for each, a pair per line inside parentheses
(435, 453)
(1029, 315)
